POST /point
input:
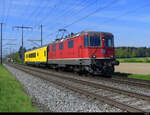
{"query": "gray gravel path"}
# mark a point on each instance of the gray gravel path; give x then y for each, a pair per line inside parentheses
(52, 98)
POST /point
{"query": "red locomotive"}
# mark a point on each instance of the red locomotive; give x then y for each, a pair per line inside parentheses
(87, 51)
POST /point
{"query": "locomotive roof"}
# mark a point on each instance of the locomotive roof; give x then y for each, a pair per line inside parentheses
(78, 34)
(88, 31)
(37, 47)
(71, 36)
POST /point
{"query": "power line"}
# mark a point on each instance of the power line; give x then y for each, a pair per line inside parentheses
(85, 7)
(33, 41)
(9, 7)
(70, 11)
(67, 11)
(128, 12)
(38, 10)
(41, 40)
(78, 20)
(22, 28)
(41, 18)
(99, 9)
(27, 6)
(49, 12)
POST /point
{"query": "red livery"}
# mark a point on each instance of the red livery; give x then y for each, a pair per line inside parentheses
(87, 51)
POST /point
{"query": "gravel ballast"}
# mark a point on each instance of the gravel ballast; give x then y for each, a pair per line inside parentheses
(52, 98)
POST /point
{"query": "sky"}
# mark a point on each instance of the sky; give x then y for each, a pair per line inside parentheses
(128, 20)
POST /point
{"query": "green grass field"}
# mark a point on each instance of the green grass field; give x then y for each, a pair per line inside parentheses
(145, 77)
(135, 60)
(12, 97)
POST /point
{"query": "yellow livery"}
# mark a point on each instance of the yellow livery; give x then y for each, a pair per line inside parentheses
(36, 56)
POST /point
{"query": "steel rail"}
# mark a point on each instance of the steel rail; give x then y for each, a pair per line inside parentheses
(132, 79)
(118, 79)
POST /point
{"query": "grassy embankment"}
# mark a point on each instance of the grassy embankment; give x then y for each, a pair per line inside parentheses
(135, 60)
(12, 97)
(145, 77)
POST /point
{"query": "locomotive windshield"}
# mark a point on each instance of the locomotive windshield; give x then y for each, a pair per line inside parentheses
(108, 41)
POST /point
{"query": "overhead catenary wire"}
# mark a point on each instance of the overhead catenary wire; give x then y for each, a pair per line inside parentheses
(49, 13)
(8, 11)
(86, 6)
(91, 13)
(71, 12)
(3, 7)
(27, 12)
(38, 10)
(128, 12)
(55, 9)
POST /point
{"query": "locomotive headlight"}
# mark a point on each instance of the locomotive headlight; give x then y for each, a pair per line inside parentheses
(93, 56)
(112, 56)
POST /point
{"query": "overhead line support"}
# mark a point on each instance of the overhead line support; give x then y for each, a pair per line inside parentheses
(1, 42)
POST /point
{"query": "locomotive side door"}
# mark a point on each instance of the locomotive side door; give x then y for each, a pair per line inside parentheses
(53, 51)
(80, 47)
(83, 48)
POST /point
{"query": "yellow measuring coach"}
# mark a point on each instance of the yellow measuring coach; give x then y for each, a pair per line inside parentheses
(38, 56)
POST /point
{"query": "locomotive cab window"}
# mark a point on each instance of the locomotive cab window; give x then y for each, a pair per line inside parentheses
(70, 44)
(95, 40)
(108, 41)
(61, 46)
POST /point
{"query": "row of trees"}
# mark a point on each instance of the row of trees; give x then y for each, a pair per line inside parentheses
(131, 52)
(17, 57)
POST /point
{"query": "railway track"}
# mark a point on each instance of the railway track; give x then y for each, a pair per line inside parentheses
(125, 100)
(131, 81)
(139, 81)
(116, 79)
(119, 79)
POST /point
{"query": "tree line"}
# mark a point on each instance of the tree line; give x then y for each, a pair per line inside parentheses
(131, 52)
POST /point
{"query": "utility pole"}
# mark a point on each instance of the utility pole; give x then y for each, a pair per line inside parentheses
(22, 28)
(1, 42)
(41, 34)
